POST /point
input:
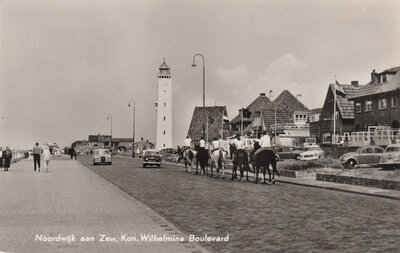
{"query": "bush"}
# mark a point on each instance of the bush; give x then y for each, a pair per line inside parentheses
(304, 165)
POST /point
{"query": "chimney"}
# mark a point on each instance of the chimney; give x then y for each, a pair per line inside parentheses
(354, 84)
(262, 94)
(373, 77)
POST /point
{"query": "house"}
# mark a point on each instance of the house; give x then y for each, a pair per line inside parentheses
(315, 115)
(377, 103)
(323, 129)
(285, 117)
(209, 122)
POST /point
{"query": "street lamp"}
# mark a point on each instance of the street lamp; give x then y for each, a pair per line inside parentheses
(204, 75)
(109, 116)
(133, 126)
(270, 96)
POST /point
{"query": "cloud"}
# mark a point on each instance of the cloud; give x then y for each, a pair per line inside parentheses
(284, 73)
(236, 75)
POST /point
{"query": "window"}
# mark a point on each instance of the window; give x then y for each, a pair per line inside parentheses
(164, 118)
(368, 105)
(165, 104)
(300, 118)
(165, 91)
(382, 103)
(377, 150)
(164, 132)
(384, 78)
(368, 151)
(393, 101)
(358, 107)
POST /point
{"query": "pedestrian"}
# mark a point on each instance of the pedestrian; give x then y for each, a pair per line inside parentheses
(75, 153)
(7, 155)
(71, 152)
(1, 157)
(36, 151)
(46, 158)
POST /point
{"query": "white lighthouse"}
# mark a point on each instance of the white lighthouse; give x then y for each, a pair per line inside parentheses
(164, 108)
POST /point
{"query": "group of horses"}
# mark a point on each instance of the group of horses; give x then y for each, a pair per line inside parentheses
(241, 158)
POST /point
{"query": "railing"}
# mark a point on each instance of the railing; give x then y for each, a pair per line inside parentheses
(381, 137)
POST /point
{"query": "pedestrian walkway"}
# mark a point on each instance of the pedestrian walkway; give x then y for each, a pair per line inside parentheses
(311, 182)
(55, 211)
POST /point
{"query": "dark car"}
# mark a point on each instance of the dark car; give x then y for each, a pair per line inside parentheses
(287, 153)
(151, 157)
(368, 155)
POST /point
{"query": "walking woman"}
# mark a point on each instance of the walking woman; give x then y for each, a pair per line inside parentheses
(7, 155)
(46, 158)
(1, 157)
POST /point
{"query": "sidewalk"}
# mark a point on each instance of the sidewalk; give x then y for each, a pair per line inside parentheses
(70, 202)
(312, 182)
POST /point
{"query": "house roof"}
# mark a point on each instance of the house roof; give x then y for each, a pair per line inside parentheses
(260, 102)
(282, 116)
(198, 125)
(290, 102)
(393, 83)
(343, 91)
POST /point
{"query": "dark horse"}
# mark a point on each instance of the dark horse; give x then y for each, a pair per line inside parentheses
(241, 160)
(202, 157)
(232, 149)
(262, 160)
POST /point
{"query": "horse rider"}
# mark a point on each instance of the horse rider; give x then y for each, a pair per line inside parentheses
(265, 143)
(216, 145)
(186, 145)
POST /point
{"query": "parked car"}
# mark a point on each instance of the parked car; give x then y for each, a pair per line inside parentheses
(151, 157)
(391, 157)
(287, 153)
(312, 153)
(167, 151)
(102, 156)
(368, 155)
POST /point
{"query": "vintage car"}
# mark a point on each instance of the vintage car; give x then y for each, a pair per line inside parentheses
(312, 153)
(102, 156)
(368, 155)
(151, 157)
(391, 157)
(287, 153)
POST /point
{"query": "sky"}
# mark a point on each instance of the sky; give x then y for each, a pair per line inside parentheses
(67, 64)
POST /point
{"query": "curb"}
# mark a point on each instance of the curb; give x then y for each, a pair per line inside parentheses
(314, 186)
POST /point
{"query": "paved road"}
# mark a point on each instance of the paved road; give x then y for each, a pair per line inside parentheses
(72, 200)
(260, 218)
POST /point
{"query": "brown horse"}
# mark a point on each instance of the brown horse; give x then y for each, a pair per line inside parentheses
(241, 160)
(262, 160)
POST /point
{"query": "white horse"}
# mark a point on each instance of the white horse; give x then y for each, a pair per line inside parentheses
(218, 159)
(188, 156)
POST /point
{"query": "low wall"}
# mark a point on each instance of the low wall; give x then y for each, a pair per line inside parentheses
(370, 182)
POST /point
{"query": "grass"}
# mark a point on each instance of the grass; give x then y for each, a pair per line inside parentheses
(306, 165)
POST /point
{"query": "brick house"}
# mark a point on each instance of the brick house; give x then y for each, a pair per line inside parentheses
(322, 130)
(377, 103)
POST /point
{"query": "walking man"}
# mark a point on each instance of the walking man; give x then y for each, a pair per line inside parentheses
(36, 156)
(7, 158)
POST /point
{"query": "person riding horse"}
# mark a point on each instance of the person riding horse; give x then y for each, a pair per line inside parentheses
(186, 145)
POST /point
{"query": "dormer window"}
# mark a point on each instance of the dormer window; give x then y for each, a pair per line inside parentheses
(384, 78)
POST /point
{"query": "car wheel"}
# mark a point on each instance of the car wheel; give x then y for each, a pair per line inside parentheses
(110, 163)
(144, 166)
(297, 157)
(350, 164)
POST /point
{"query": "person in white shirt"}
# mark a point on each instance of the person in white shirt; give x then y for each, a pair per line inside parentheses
(265, 143)
(202, 143)
(238, 142)
(46, 158)
(187, 142)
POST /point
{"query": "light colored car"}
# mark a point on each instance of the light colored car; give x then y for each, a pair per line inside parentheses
(102, 156)
(151, 157)
(368, 155)
(391, 157)
(312, 153)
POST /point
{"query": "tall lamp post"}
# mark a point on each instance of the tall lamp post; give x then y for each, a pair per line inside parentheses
(271, 94)
(133, 126)
(109, 116)
(204, 75)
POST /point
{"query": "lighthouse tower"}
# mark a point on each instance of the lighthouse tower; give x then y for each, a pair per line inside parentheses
(164, 108)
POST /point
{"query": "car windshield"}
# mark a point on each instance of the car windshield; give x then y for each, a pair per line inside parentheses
(152, 153)
(359, 150)
(102, 152)
(393, 149)
(313, 148)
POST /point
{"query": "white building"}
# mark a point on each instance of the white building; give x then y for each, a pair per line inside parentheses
(164, 108)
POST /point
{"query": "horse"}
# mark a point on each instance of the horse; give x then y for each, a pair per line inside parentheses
(263, 159)
(218, 160)
(241, 160)
(202, 157)
(188, 156)
(232, 149)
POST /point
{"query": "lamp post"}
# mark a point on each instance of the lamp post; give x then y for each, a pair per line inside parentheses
(133, 126)
(204, 75)
(271, 94)
(109, 116)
